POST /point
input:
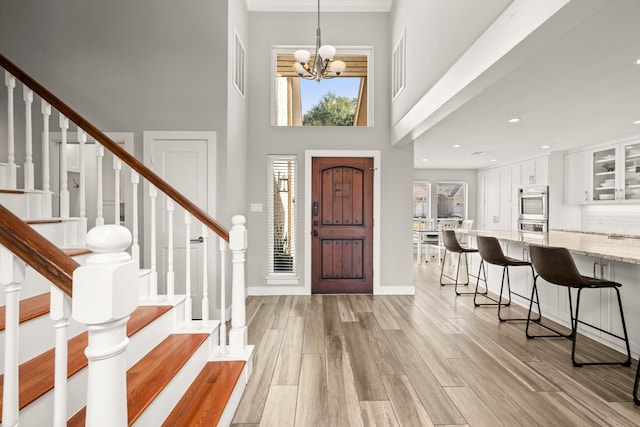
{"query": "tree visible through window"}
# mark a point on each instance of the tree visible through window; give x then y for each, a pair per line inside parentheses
(332, 110)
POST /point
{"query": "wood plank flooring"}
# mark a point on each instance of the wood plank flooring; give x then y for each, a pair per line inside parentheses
(426, 360)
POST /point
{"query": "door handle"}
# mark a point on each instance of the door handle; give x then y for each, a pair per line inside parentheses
(315, 233)
(198, 240)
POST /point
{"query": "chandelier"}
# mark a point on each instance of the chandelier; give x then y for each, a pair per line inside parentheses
(323, 67)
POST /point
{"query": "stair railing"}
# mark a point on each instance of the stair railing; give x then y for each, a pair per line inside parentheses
(235, 239)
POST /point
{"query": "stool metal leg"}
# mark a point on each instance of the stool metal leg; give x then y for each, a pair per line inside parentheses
(503, 319)
(573, 335)
(636, 398)
(455, 283)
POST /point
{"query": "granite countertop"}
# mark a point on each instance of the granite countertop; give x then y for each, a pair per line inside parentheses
(615, 247)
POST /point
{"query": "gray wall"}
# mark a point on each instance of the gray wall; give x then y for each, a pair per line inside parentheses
(469, 176)
(350, 29)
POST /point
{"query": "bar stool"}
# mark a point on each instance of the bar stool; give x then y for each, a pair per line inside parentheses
(556, 266)
(450, 242)
(491, 253)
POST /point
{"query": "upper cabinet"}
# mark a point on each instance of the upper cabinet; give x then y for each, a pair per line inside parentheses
(609, 174)
(535, 172)
(576, 178)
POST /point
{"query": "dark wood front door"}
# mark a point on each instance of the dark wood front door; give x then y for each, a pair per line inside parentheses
(342, 225)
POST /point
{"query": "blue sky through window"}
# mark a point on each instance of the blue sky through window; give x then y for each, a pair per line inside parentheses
(312, 91)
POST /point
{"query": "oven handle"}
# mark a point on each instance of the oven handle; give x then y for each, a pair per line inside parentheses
(528, 196)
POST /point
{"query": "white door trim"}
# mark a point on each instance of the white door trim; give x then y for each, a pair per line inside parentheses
(308, 156)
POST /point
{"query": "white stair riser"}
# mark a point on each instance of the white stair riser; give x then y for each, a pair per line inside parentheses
(29, 205)
(37, 336)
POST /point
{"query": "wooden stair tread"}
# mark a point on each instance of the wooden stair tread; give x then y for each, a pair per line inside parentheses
(147, 378)
(76, 251)
(11, 191)
(206, 399)
(30, 308)
(36, 375)
(42, 221)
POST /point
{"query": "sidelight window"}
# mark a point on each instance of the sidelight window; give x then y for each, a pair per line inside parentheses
(282, 218)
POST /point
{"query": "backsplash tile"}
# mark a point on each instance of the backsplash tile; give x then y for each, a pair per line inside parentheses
(611, 218)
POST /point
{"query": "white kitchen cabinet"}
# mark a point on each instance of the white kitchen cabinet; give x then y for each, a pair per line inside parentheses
(576, 178)
(535, 172)
(615, 173)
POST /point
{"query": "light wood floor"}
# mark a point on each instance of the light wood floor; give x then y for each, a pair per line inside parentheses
(423, 360)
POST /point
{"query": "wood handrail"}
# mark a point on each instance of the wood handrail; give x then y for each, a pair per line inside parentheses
(34, 249)
(115, 148)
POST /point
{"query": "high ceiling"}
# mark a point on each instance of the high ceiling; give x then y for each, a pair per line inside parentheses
(575, 88)
(581, 89)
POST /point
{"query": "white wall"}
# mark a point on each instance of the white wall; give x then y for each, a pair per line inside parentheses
(350, 29)
(438, 32)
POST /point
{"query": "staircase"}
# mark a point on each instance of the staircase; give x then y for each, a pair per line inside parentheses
(89, 335)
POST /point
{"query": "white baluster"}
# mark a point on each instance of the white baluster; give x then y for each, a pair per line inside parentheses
(188, 304)
(108, 277)
(170, 273)
(153, 276)
(117, 167)
(11, 275)
(45, 108)
(238, 246)
(205, 274)
(60, 312)
(12, 180)
(99, 207)
(64, 191)
(27, 95)
(223, 296)
(135, 247)
(82, 139)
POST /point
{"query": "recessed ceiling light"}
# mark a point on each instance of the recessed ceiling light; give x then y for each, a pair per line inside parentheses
(514, 120)
(456, 146)
(637, 122)
(425, 160)
(479, 153)
(638, 61)
(544, 147)
(494, 160)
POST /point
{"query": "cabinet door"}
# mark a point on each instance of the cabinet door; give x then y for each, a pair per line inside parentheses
(629, 177)
(541, 174)
(576, 178)
(492, 196)
(505, 198)
(528, 173)
(603, 172)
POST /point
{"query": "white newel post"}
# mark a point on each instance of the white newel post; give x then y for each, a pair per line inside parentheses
(205, 274)
(238, 246)
(12, 179)
(188, 303)
(11, 275)
(170, 272)
(60, 312)
(105, 293)
(27, 96)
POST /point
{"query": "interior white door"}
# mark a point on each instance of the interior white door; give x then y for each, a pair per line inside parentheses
(183, 161)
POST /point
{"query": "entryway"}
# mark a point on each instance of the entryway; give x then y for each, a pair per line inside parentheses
(342, 224)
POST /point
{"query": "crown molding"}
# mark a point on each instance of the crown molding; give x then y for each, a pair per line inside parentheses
(325, 5)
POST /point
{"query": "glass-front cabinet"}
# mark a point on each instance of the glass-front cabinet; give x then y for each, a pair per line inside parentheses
(604, 163)
(616, 173)
(631, 171)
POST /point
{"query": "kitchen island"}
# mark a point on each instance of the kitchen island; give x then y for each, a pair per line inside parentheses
(614, 257)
